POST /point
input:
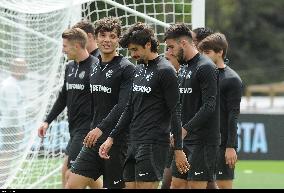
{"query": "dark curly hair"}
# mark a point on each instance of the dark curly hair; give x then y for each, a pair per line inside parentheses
(140, 34)
(178, 30)
(202, 32)
(108, 24)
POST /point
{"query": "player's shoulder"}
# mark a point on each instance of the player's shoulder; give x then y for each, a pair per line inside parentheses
(124, 62)
(70, 64)
(165, 65)
(206, 62)
(232, 74)
(94, 59)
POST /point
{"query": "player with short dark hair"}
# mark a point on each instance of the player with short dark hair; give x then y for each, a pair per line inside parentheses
(200, 109)
(215, 46)
(89, 28)
(198, 34)
(110, 83)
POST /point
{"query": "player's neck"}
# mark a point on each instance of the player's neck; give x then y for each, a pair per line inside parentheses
(108, 57)
(92, 47)
(190, 53)
(82, 55)
(220, 64)
(151, 56)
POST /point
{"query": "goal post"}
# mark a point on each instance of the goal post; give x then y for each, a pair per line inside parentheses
(30, 30)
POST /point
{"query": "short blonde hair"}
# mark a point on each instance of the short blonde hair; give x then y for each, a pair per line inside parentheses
(76, 35)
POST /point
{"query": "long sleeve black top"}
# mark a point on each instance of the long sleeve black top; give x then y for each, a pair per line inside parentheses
(152, 105)
(110, 86)
(200, 101)
(76, 96)
(230, 98)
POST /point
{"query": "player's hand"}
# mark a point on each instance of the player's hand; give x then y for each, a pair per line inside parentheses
(172, 59)
(181, 161)
(183, 133)
(231, 157)
(105, 147)
(42, 129)
(92, 137)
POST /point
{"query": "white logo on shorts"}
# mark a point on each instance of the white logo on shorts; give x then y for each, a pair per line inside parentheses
(220, 172)
(197, 173)
(143, 174)
(116, 182)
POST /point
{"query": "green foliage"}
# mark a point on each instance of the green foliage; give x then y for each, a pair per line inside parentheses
(254, 30)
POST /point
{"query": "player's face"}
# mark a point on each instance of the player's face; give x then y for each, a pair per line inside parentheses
(138, 52)
(69, 48)
(212, 55)
(194, 40)
(107, 42)
(175, 50)
(90, 38)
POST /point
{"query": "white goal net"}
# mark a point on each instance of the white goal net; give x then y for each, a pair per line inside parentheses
(31, 74)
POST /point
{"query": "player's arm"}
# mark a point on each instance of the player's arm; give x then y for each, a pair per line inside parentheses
(122, 124)
(233, 96)
(207, 75)
(112, 118)
(169, 83)
(57, 108)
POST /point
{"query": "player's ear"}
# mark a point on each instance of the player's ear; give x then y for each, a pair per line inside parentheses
(90, 36)
(148, 45)
(220, 53)
(183, 43)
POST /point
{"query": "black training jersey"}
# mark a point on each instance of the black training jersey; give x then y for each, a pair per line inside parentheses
(230, 99)
(95, 52)
(76, 96)
(152, 105)
(110, 86)
(200, 101)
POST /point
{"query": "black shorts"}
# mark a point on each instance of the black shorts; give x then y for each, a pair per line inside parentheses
(202, 160)
(91, 165)
(170, 157)
(145, 162)
(74, 147)
(223, 171)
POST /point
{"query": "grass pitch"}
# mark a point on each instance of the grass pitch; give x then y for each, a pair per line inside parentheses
(259, 175)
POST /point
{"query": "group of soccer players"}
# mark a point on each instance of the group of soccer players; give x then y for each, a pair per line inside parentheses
(172, 117)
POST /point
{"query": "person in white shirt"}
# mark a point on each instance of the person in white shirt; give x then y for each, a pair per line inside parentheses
(12, 113)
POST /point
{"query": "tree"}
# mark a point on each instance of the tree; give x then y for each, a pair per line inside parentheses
(254, 30)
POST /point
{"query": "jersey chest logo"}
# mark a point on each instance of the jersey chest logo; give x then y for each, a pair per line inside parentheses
(109, 74)
(82, 74)
(188, 75)
(149, 76)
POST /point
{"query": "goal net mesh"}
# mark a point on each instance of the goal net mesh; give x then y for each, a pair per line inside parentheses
(31, 74)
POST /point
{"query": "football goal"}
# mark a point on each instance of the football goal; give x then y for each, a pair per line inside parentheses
(32, 69)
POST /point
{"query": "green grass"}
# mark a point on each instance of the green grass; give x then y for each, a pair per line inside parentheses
(248, 174)
(259, 175)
